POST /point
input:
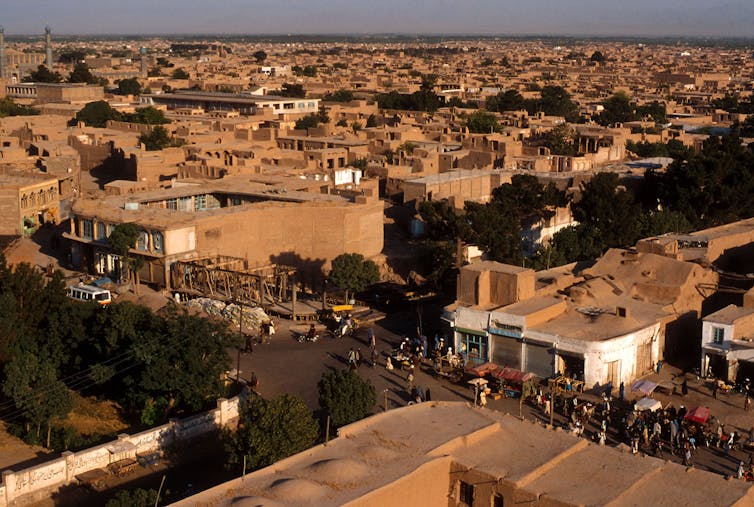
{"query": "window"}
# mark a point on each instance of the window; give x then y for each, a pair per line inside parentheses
(157, 241)
(235, 201)
(200, 202)
(88, 229)
(143, 241)
(474, 348)
(466, 496)
(498, 501)
(718, 334)
(101, 231)
(172, 203)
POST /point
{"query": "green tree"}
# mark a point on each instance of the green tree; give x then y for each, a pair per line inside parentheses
(294, 90)
(82, 74)
(260, 56)
(270, 430)
(185, 367)
(560, 141)
(610, 209)
(345, 396)
(129, 86)
(158, 139)
(122, 239)
(43, 75)
(340, 96)
(147, 115)
(509, 100)
(180, 74)
(97, 114)
(33, 385)
(10, 108)
(495, 231)
(618, 109)
(309, 121)
(554, 101)
(133, 498)
(352, 273)
(481, 122)
(597, 57)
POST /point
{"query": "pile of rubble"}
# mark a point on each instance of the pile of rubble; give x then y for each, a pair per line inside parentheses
(252, 317)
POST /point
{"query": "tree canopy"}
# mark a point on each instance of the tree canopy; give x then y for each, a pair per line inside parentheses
(294, 90)
(340, 95)
(482, 122)
(179, 74)
(10, 108)
(43, 75)
(345, 396)
(260, 56)
(97, 114)
(509, 100)
(130, 86)
(82, 74)
(352, 272)
(154, 366)
(270, 430)
(158, 139)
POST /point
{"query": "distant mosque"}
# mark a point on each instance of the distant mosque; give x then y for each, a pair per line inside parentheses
(16, 64)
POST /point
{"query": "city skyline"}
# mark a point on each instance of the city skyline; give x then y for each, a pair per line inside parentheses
(692, 18)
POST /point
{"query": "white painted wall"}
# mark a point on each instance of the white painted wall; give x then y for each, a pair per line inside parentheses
(43, 480)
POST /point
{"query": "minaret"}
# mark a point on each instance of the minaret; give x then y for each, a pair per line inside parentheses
(48, 47)
(143, 52)
(2, 52)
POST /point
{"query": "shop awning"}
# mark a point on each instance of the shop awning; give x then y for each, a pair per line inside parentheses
(513, 375)
(647, 404)
(480, 370)
(645, 387)
(698, 415)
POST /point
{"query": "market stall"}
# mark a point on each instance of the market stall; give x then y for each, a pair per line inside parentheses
(645, 387)
(480, 370)
(647, 404)
(699, 415)
(510, 381)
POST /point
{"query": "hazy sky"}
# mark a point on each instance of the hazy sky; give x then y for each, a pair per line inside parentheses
(561, 17)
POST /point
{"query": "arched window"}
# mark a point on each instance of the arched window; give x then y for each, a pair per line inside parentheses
(157, 242)
(143, 242)
(24, 201)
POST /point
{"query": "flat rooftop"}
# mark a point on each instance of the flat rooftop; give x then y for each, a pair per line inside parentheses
(433, 443)
(456, 175)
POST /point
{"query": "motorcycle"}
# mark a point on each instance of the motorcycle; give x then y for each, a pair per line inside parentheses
(305, 337)
(309, 336)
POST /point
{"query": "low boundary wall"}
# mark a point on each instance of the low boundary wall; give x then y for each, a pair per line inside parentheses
(45, 478)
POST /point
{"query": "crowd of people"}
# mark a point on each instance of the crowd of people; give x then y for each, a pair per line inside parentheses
(663, 433)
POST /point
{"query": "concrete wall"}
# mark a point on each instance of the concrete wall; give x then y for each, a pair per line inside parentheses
(41, 481)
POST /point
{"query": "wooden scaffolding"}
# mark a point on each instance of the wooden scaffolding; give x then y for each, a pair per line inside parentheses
(228, 279)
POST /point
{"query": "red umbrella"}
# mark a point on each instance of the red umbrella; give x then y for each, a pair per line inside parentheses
(698, 415)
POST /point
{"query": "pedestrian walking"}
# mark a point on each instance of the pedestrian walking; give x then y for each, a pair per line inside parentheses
(684, 387)
(372, 340)
(410, 379)
(622, 391)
